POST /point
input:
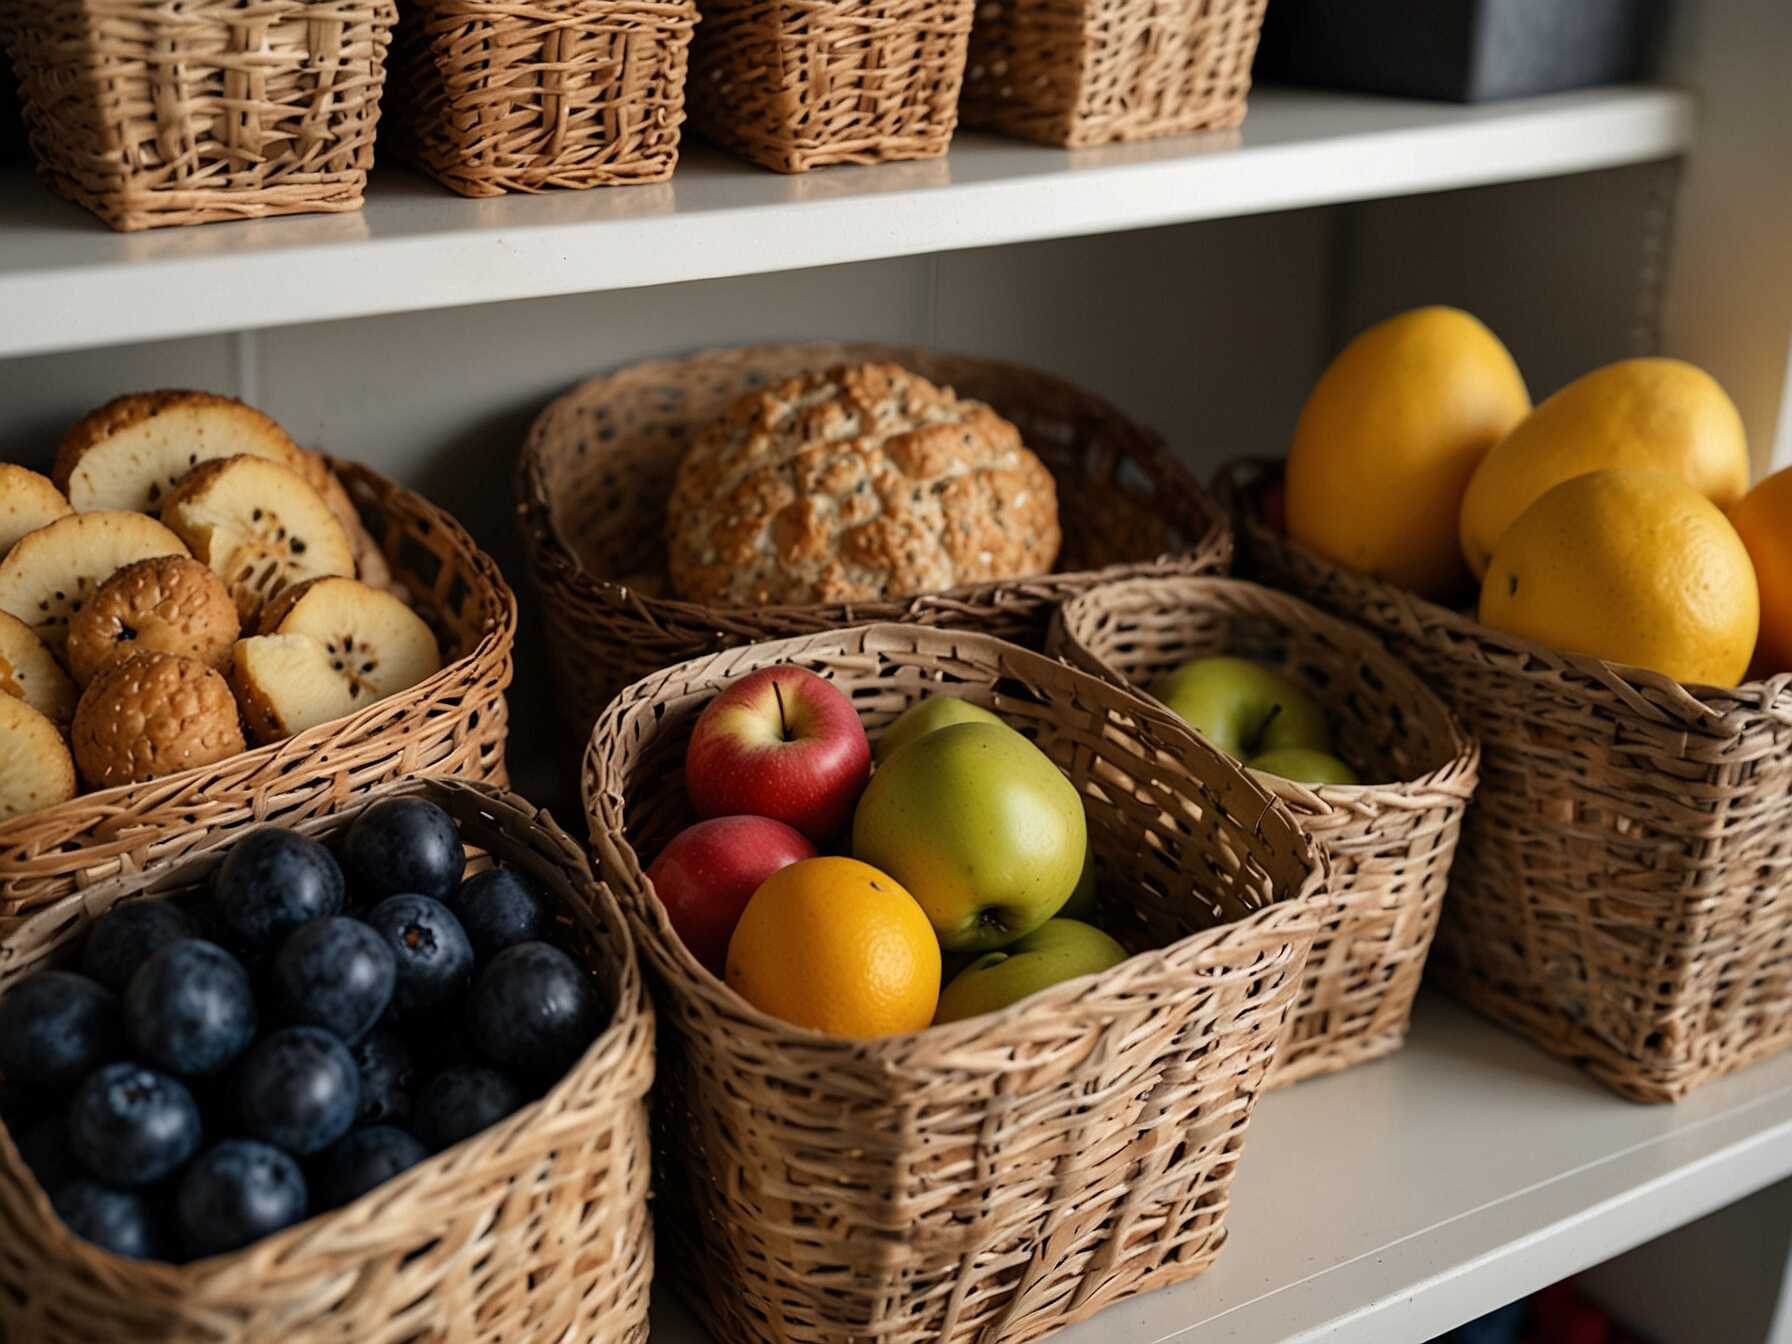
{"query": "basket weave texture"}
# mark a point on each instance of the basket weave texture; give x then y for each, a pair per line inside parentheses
(151, 113)
(534, 1230)
(492, 96)
(1390, 840)
(453, 723)
(1621, 892)
(1087, 72)
(996, 1178)
(594, 477)
(795, 85)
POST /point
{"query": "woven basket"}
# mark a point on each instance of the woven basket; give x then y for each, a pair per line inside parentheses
(453, 723)
(1092, 71)
(1390, 840)
(1621, 894)
(794, 86)
(150, 113)
(490, 96)
(996, 1178)
(595, 474)
(535, 1230)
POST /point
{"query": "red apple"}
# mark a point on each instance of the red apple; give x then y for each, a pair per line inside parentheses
(780, 743)
(709, 872)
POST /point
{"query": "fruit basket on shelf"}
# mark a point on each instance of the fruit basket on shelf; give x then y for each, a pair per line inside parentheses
(1390, 838)
(920, 1185)
(598, 468)
(535, 1228)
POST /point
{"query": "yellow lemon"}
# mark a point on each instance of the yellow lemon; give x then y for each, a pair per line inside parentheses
(1764, 522)
(839, 946)
(1630, 566)
(1647, 414)
(1388, 440)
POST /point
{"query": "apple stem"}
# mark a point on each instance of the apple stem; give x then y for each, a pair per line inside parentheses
(1268, 719)
(784, 723)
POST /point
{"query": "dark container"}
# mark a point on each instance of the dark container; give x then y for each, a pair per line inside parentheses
(1465, 51)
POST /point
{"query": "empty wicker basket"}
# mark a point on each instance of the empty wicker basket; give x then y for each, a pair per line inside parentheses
(1620, 895)
(150, 113)
(1390, 840)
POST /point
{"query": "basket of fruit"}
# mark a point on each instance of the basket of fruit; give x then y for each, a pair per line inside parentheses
(203, 624)
(817, 486)
(1616, 895)
(861, 1153)
(382, 1076)
(1368, 760)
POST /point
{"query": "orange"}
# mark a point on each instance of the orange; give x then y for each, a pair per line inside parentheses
(1631, 566)
(1763, 519)
(839, 946)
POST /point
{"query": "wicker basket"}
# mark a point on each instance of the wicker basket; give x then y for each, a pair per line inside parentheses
(1093, 71)
(593, 480)
(453, 723)
(1621, 892)
(794, 86)
(535, 1230)
(996, 1178)
(150, 113)
(1390, 841)
(490, 96)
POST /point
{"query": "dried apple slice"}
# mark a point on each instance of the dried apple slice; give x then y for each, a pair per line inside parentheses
(53, 571)
(27, 502)
(29, 671)
(36, 769)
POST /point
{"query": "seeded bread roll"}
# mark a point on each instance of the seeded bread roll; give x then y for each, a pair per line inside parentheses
(859, 483)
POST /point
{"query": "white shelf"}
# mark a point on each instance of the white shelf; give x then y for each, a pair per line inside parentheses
(66, 282)
(1395, 1201)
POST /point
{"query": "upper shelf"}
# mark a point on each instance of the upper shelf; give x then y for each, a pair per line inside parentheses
(67, 282)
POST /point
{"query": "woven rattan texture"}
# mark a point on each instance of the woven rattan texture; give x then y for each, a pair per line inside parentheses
(1621, 895)
(453, 723)
(150, 112)
(1390, 840)
(991, 1179)
(491, 96)
(1086, 72)
(595, 474)
(534, 1230)
(795, 84)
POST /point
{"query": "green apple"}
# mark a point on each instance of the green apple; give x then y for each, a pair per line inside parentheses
(1081, 904)
(1303, 765)
(926, 716)
(1243, 708)
(1059, 949)
(978, 826)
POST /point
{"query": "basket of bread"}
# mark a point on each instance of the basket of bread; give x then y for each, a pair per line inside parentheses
(678, 507)
(202, 623)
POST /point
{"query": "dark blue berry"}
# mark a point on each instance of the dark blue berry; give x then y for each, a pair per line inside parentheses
(500, 909)
(190, 1008)
(131, 1126)
(335, 973)
(127, 935)
(363, 1159)
(120, 1221)
(299, 1090)
(460, 1102)
(45, 1149)
(403, 845)
(435, 960)
(238, 1192)
(534, 1010)
(56, 1027)
(388, 1078)
(273, 881)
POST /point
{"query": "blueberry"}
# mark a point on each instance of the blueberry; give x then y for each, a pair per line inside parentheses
(404, 845)
(334, 973)
(56, 1027)
(363, 1159)
(534, 1010)
(132, 1126)
(45, 1149)
(388, 1077)
(238, 1192)
(127, 935)
(500, 909)
(459, 1103)
(299, 1090)
(271, 882)
(190, 1008)
(435, 960)
(120, 1221)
